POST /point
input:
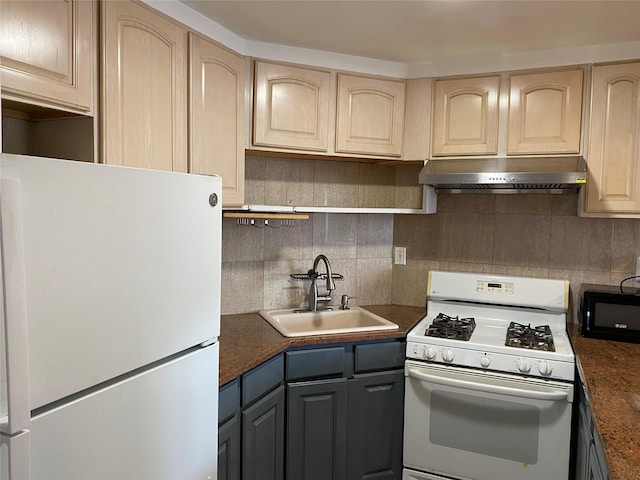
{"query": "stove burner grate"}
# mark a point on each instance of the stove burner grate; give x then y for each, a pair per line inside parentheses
(444, 326)
(533, 338)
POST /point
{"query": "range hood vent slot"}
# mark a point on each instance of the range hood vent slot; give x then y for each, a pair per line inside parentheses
(506, 175)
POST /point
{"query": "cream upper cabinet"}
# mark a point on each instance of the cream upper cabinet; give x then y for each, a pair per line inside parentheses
(216, 117)
(47, 53)
(545, 113)
(315, 111)
(291, 107)
(465, 116)
(144, 90)
(538, 113)
(613, 156)
(370, 116)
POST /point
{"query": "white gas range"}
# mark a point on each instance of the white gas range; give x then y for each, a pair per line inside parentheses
(489, 380)
(468, 319)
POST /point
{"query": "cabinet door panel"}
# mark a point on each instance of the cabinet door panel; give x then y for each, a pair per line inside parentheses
(594, 469)
(263, 438)
(316, 430)
(545, 112)
(370, 117)
(465, 116)
(375, 414)
(291, 107)
(583, 444)
(229, 449)
(614, 137)
(216, 119)
(47, 53)
(144, 94)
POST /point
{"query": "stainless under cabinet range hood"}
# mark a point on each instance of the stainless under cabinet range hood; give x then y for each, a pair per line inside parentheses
(505, 175)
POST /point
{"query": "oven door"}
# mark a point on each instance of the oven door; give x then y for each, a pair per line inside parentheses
(481, 425)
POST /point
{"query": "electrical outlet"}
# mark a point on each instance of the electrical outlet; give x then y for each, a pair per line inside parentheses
(400, 255)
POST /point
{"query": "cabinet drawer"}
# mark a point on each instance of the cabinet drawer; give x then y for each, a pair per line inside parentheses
(379, 356)
(321, 362)
(228, 401)
(262, 379)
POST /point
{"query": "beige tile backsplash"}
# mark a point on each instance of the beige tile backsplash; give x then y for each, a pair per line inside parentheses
(257, 262)
(285, 181)
(532, 235)
(336, 184)
(290, 182)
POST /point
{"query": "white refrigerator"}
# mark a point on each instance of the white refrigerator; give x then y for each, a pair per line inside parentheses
(110, 317)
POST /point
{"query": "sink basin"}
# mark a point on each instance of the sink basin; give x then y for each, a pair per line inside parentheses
(295, 323)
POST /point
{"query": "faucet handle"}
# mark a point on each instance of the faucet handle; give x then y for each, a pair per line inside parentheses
(344, 302)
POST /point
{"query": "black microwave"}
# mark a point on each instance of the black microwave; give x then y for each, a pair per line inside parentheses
(606, 312)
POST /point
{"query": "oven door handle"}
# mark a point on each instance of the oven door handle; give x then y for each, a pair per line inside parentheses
(553, 395)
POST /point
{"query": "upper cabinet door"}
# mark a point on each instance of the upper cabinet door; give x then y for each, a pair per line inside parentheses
(47, 53)
(370, 116)
(465, 116)
(144, 88)
(216, 116)
(614, 140)
(545, 112)
(291, 107)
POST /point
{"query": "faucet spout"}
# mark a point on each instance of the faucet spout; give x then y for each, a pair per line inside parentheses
(314, 298)
(331, 285)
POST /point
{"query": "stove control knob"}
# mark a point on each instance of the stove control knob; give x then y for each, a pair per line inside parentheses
(485, 361)
(523, 365)
(429, 353)
(448, 355)
(544, 368)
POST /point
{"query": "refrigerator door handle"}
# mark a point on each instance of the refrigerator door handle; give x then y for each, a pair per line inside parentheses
(18, 461)
(14, 310)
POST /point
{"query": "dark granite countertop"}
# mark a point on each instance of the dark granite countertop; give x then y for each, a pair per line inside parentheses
(611, 371)
(247, 340)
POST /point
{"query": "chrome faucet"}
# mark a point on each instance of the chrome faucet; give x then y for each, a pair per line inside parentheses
(330, 286)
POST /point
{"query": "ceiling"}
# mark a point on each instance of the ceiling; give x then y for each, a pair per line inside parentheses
(414, 32)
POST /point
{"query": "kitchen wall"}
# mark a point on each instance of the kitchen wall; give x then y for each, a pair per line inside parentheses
(256, 262)
(533, 235)
(287, 182)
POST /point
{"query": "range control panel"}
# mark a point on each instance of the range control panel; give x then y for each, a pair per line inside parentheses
(504, 288)
(491, 361)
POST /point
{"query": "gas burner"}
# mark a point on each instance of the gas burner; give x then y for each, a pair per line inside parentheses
(533, 338)
(455, 328)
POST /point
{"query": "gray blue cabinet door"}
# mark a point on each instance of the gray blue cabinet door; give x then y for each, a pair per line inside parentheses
(263, 438)
(374, 428)
(229, 449)
(317, 430)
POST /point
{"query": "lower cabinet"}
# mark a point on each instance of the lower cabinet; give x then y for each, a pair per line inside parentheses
(317, 430)
(332, 412)
(344, 412)
(590, 458)
(229, 449)
(374, 426)
(263, 438)
(251, 415)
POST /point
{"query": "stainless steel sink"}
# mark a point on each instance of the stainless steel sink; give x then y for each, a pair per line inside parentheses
(295, 323)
